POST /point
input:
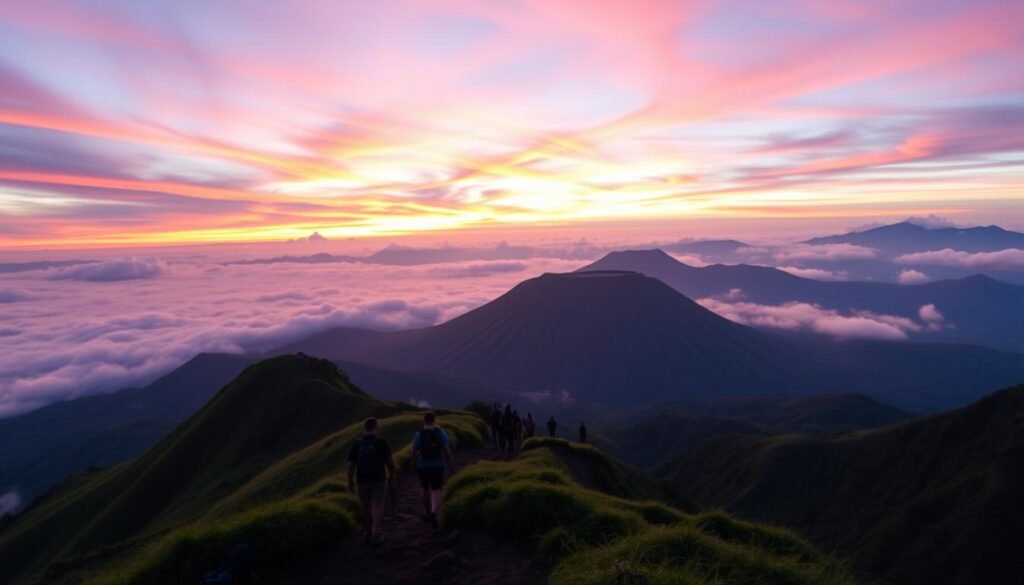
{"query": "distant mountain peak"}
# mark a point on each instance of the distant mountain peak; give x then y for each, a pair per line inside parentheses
(908, 236)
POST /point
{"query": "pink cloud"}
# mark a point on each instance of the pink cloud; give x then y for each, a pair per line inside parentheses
(133, 268)
(1009, 259)
(129, 339)
(817, 273)
(798, 316)
(911, 276)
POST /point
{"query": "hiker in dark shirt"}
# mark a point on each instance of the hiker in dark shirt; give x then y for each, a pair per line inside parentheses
(496, 425)
(583, 432)
(371, 465)
(508, 429)
(529, 426)
(552, 427)
(430, 450)
(519, 429)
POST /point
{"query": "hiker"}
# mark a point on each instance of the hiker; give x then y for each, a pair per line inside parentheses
(430, 450)
(519, 429)
(496, 425)
(508, 428)
(529, 426)
(552, 427)
(583, 432)
(368, 461)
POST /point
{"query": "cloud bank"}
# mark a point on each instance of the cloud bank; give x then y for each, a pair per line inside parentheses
(133, 268)
(65, 338)
(1009, 259)
(911, 276)
(798, 316)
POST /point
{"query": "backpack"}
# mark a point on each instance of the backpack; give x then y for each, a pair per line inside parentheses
(430, 443)
(368, 461)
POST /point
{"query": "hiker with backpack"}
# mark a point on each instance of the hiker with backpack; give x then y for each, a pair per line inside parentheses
(371, 467)
(552, 427)
(430, 450)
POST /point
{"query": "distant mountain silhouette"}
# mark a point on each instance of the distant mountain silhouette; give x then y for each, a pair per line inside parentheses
(933, 501)
(41, 448)
(981, 310)
(620, 338)
(606, 337)
(907, 237)
(665, 431)
(707, 248)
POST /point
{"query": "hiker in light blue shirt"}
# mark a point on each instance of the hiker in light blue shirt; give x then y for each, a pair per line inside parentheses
(430, 449)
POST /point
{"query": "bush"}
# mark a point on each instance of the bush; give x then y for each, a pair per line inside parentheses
(600, 539)
(274, 532)
(683, 554)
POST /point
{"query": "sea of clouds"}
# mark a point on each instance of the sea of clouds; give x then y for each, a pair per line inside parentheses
(101, 326)
(121, 321)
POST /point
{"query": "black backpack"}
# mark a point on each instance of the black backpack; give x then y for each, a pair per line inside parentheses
(430, 443)
(368, 462)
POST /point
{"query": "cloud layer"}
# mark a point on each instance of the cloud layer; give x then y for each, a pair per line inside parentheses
(86, 333)
(1010, 259)
(813, 318)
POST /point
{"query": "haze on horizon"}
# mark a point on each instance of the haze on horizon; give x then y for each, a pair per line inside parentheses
(145, 123)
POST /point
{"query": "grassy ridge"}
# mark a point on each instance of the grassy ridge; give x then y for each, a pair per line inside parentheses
(594, 538)
(298, 504)
(269, 448)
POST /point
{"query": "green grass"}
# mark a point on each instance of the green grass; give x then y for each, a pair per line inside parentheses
(596, 538)
(602, 472)
(300, 503)
(274, 532)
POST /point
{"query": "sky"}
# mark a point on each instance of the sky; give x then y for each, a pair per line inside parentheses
(134, 123)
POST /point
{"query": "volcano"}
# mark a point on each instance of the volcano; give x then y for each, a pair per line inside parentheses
(622, 338)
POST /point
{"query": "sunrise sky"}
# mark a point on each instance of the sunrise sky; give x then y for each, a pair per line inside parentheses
(126, 123)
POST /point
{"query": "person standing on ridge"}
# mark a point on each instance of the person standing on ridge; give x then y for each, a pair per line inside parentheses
(552, 427)
(519, 429)
(371, 465)
(529, 426)
(496, 425)
(430, 449)
(508, 429)
(583, 432)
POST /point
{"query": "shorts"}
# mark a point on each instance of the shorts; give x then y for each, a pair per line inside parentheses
(431, 477)
(373, 493)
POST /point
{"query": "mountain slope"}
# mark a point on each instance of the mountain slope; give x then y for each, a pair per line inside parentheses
(619, 338)
(977, 309)
(906, 237)
(271, 410)
(587, 335)
(41, 448)
(663, 432)
(930, 501)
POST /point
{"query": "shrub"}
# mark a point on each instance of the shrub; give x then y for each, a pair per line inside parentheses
(683, 554)
(274, 532)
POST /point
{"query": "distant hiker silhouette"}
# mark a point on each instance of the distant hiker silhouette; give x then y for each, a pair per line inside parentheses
(371, 465)
(583, 432)
(552, 427)
(508, 429)
(430, 450)
(529, 426)
(496, 425)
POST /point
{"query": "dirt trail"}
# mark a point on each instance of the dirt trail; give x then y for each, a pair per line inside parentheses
(414, 553)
